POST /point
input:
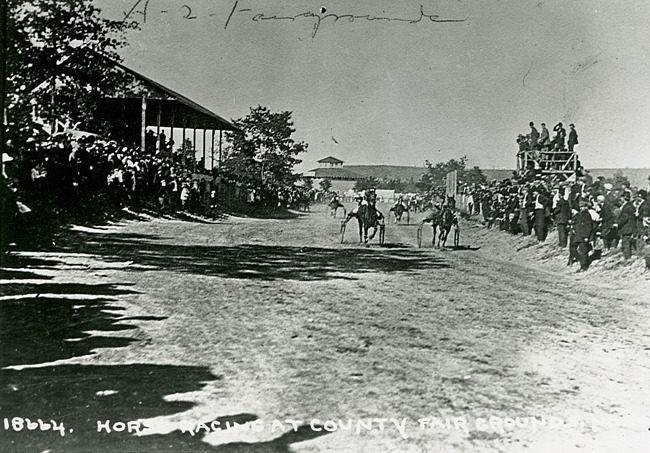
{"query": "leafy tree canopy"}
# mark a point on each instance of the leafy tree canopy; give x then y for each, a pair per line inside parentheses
(472, 176)
(263, 153)
(435, 176)
(366, 183)
(54, 62)
(325, 184)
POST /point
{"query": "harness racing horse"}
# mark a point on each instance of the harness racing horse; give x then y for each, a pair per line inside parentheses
(334, 205)
(368, 218)
(448, 220)
(398, 211)
(435, 219)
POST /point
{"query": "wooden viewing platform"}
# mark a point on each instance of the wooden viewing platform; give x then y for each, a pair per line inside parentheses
(559, 165)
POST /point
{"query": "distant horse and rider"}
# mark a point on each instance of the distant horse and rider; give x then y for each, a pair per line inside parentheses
(398, 211)
(369, 218)
(334, 206)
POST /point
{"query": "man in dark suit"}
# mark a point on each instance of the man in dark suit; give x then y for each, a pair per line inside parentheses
(627, 225)
(560, 135)
(581, 228)
(643, 227)
(562, 214)
(534, 136)
(608, 230)
(573, 137)
(540, 205)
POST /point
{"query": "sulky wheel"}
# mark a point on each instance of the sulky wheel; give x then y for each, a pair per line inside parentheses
(342, 232)
(382, 233)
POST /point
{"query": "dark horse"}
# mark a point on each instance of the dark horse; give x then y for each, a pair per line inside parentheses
(398, 211)
(368, 218)
(442, 220)
(447, 221)
(433, 217)
(334, 205)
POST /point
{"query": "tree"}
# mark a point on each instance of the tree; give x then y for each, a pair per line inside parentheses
(56, 63)
(262, 153)
(308, 184)
(436, 174)
(366, 183)
(325, 184)
(472, 176)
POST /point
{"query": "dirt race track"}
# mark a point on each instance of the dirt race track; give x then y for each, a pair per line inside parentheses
(189, 328)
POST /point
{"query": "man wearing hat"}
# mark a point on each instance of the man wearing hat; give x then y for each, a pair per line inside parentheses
(643, 226)
(561, 213)
(544, 137)
(608, 216)
(627, 225)
(534, 136)
(573, 137)
(582, 227)
(560, 135)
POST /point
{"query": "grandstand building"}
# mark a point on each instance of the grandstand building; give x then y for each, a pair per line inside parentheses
(343, 178)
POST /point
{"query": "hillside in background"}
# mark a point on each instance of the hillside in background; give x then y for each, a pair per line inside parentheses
(638, 177)
(388, 172)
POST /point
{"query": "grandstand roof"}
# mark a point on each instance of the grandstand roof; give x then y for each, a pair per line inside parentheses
(330, 160)
(163, 104)
(334, 173)
(380, 172)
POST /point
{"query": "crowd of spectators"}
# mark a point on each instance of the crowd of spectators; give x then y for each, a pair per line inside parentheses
(71, 173)
(77, 175)
(592, 217)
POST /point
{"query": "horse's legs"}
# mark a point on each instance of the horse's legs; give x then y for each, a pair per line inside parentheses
(374, 231)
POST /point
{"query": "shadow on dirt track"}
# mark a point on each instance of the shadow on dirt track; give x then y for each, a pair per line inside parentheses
(264, 262)
(72, 320)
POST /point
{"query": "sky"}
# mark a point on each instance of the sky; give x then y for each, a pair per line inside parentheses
(400, 92)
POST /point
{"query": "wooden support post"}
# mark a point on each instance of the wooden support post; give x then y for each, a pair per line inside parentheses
(143, 128)
(204, 161)
(159, 114)
(220, 147)
(212, 152)
(171, 133)
(194, 143)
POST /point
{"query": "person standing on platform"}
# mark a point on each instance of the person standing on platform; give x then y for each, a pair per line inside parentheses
(534, 136)
(560, 136)
(544, 137)
(573, 137)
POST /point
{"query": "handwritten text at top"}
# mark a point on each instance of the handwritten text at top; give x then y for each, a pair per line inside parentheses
(141, 9)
